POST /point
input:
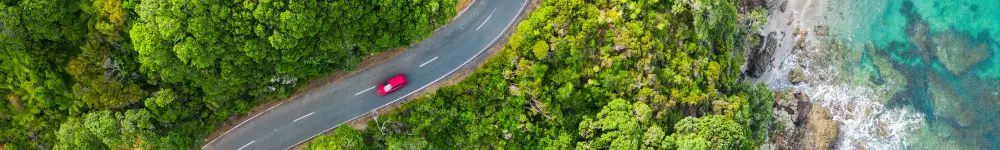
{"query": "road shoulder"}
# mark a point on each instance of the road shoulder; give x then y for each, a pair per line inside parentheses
(361, 122)
(333, 77)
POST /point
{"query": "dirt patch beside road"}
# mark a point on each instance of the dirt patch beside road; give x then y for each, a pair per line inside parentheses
(462, 4)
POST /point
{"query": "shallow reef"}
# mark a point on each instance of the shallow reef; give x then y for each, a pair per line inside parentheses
(911, 74)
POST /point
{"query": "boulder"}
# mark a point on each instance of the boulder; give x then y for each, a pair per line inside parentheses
(882, 128)
(796, 76)
(760, 57)
(804, 125)
(822, 129)
(792, 109)
(789, 118)
(748, 5)
(784, 4)
(803, 107)
(797, 31)
(790, 19)
(800, 41)
(822, 30)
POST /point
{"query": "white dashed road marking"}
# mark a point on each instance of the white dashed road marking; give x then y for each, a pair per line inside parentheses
(487, 19)
(429, 61)
(307, 115)
(525, 3)
(366, 90)
(248, 144)
(241, 123)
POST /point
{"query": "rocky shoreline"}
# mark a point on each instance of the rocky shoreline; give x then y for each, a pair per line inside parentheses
(801, 124)
(780, 60)
(874, 75)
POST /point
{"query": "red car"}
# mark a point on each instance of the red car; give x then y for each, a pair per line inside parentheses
(392, 84)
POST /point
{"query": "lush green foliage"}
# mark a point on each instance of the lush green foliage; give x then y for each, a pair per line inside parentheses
(160, 74)
(626, 74)
(342, 138)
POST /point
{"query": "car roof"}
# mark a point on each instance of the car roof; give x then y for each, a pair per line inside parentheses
(396, 80)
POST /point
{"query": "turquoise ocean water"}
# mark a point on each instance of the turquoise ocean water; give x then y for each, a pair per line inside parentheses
(947, 52)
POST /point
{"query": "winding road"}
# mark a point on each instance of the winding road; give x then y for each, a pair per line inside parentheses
(308, 115)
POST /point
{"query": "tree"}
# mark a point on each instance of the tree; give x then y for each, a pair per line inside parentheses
(541, 50)
(105, 127)
(618, 74)
(654, 138)
(161, 73)
(619, 125)
(707, 132)
(73, 135)
(342, 138)
(163, 106)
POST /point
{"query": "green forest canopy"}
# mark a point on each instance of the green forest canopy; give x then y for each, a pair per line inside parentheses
(160, 74)
(595, 74)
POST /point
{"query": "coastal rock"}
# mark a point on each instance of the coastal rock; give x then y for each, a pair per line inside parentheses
(790, 19)
(792, 109)
(803, 106)
(822, 30)
(799, 43)
(759, 60)
(789, 136)
(860, 146)
(822, 130)
(796, 31)
(882, 128)
(747, 5)
(784, 4)
(957, 53)
(801, 39)
(796, 76)
(804, 125)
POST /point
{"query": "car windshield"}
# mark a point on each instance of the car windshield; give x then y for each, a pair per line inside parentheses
(387, 87)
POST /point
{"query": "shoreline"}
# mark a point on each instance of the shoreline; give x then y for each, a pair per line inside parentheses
(805, 16)
(808, 57)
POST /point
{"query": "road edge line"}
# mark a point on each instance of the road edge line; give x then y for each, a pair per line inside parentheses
(241, 123)
(269, 109)
(432, 82)
(464, 9)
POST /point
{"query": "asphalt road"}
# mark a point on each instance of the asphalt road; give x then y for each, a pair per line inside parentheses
(308, 115)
